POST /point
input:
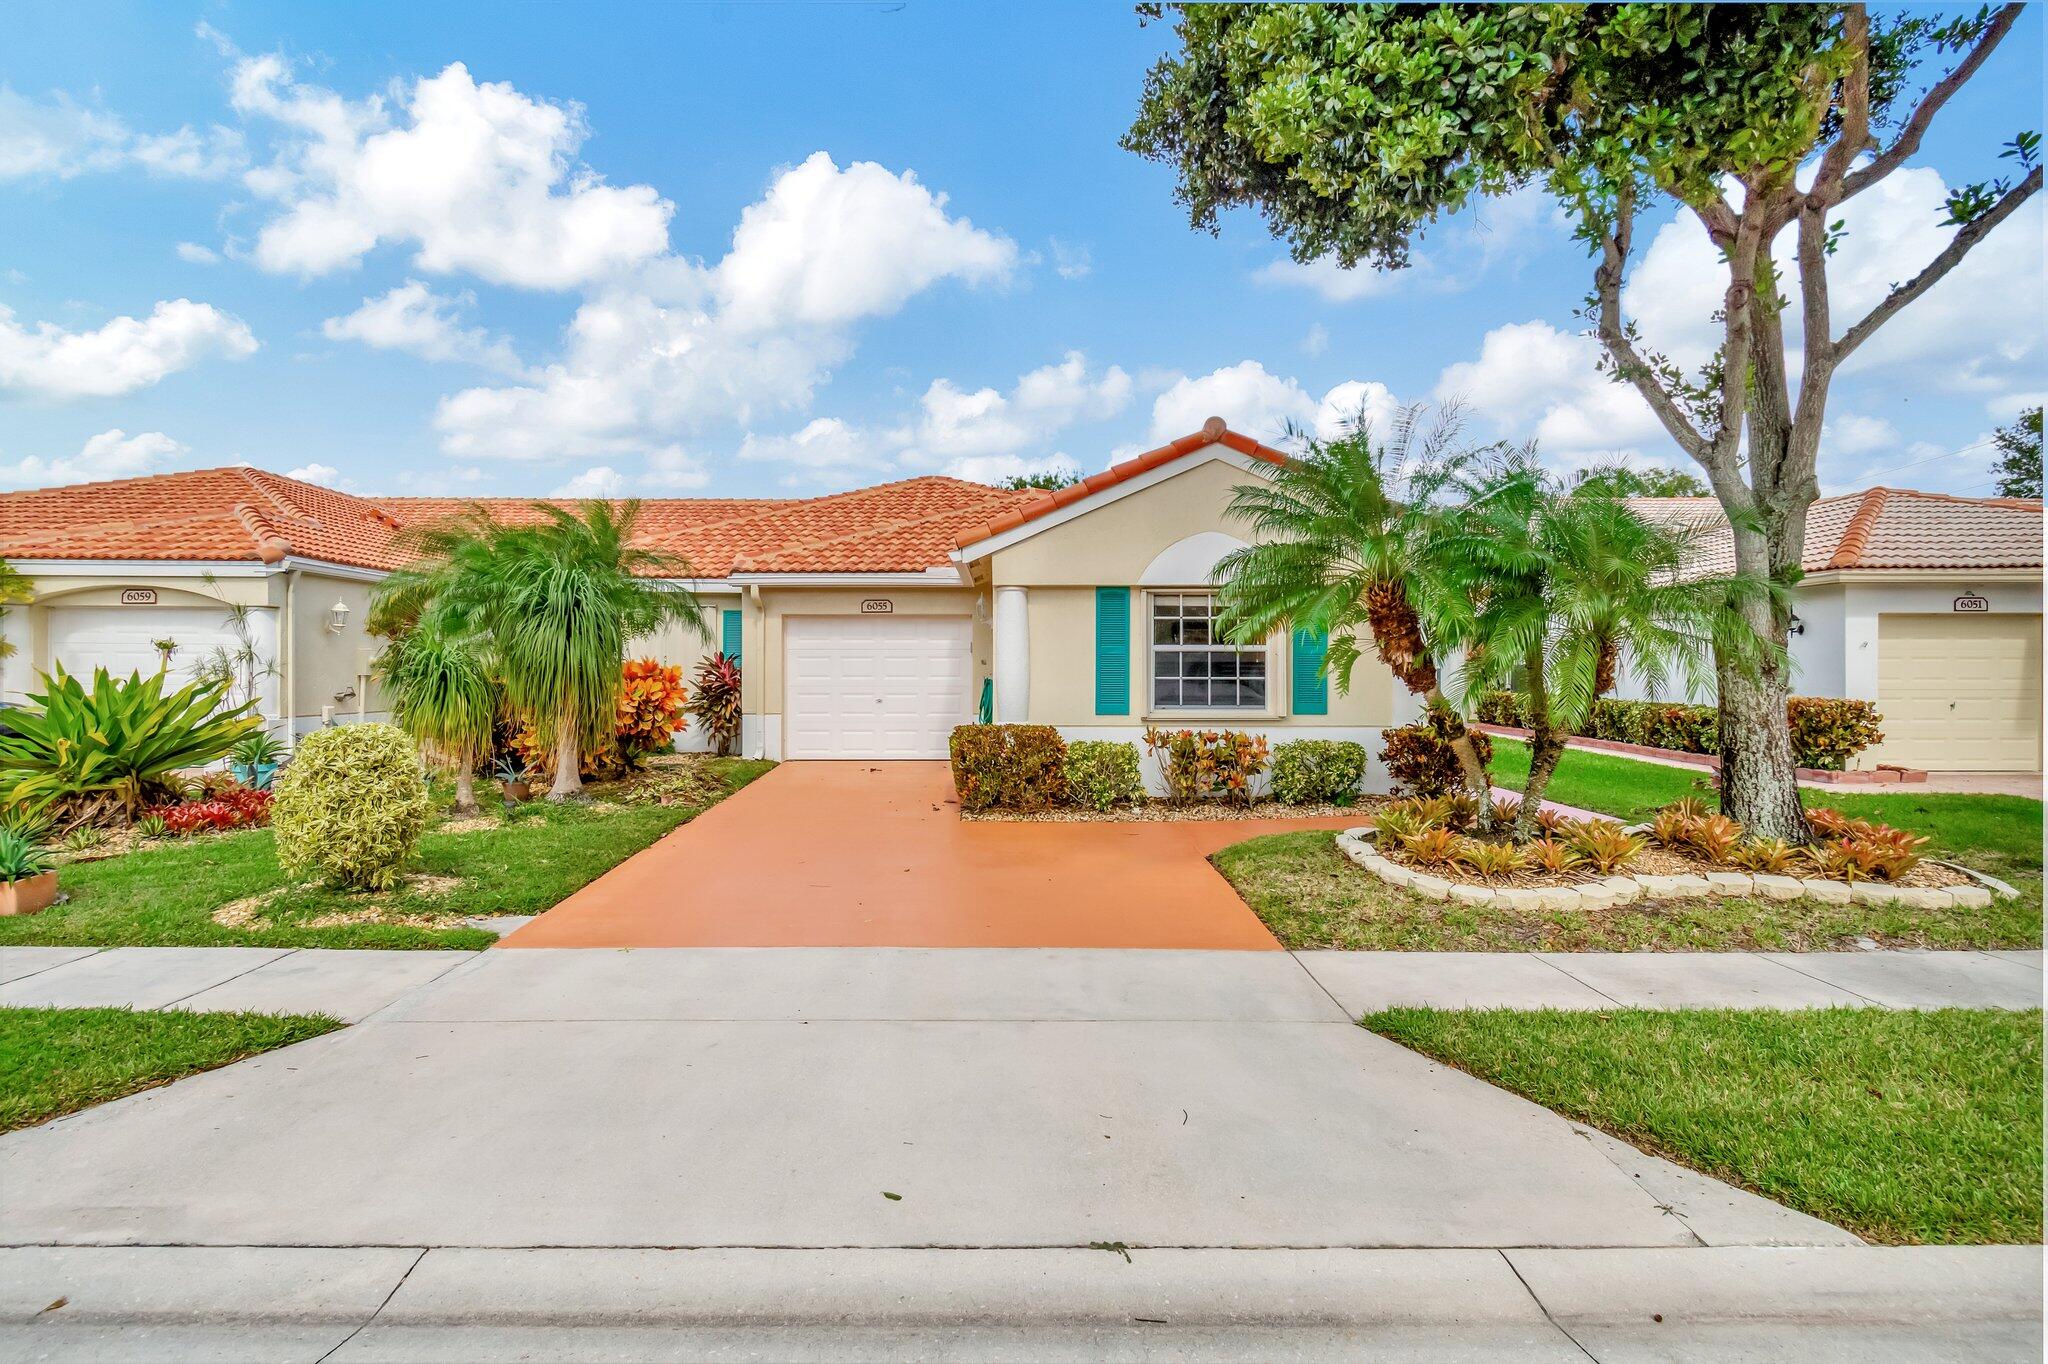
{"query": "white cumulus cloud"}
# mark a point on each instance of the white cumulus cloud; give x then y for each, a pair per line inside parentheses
(415, 319)
(476, 177)
(60, 139)
(119, 356)
(110, 454)
(326, 475)
(1265, 406)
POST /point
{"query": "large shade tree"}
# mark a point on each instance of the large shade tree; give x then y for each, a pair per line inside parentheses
(555, 599)
(1353, 127)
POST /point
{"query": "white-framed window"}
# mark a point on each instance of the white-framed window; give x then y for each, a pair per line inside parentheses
(1192, 668)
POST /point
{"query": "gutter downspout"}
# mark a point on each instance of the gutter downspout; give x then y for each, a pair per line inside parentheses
(759, 654)
(284, 681)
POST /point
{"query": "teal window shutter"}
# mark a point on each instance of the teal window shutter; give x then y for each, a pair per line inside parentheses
(729, 635)
(1112, 651)
(1311, 688)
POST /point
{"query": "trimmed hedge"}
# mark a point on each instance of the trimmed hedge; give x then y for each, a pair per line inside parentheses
(1318, 771)
(1102, 773)
(1011, 767)
(1827, 731)
(1420, 760)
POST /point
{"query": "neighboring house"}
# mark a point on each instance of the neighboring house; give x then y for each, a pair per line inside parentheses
(1926, 604)
(868, 623)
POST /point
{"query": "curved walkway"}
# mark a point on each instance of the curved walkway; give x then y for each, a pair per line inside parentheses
(847, 854)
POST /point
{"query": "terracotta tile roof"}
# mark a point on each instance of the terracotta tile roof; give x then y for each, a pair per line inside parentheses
(1891, 528)
(243, 514)
(1213, 432)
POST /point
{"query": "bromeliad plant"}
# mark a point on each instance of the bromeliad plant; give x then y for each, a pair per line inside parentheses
(99, 755)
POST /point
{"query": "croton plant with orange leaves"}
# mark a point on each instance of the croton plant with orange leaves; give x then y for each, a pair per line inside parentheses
(652, 702)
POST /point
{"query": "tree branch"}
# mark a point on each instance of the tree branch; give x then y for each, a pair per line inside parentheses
(1908, 140)
(1854, 138)
(1951, 255)
(1614, 249)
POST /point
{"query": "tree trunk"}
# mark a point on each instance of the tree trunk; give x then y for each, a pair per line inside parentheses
(1546, 746)
(465, 788)
(568, 761)
(1476, 779)
(1759, 783)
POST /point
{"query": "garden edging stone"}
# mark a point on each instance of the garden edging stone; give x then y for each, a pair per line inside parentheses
(1627, 887)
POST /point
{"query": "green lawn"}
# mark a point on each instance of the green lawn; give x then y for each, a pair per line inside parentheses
(2000, 835)
(1311, 897)
(166, 894)
(1905, 1127)
(57, 1061)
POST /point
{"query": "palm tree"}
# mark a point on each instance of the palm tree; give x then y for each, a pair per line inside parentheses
(1567, 581)
(1348, 534)
(556, 599)
(441, 695)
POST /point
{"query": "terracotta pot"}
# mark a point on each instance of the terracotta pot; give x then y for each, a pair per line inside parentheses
(517, 790)
(31, 895)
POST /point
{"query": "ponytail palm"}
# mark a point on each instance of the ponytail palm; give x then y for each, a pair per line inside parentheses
(1348, 535)
(441, 695)
(556, 600)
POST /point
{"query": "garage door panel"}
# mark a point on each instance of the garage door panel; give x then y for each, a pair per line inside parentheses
(862, 687)
(121, 639)
(1960, 691)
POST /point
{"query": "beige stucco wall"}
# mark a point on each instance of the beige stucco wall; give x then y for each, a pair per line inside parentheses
(1113, 546)
(677, 643)
(322, 662)
(1114, 543)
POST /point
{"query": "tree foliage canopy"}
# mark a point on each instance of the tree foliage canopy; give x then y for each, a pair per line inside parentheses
(2019, 456)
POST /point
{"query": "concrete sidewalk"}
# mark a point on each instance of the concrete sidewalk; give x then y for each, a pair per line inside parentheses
(989, 984)
(390, 1304)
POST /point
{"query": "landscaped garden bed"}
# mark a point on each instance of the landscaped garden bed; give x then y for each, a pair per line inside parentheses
(1029, 772)
(516, 861)
(57, 1061)
(1906, 1127)
(1430, 847)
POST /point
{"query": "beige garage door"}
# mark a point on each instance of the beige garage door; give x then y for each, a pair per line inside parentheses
(1961, 692)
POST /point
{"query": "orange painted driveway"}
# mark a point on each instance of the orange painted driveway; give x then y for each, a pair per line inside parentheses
(849, 854)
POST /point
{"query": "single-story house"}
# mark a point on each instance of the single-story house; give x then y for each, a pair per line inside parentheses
(1927, 604)
(867, 623)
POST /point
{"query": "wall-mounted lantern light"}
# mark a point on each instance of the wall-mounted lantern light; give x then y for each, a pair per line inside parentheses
(337, 617)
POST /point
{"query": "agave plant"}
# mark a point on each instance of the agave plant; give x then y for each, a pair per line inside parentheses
(20, 858)
(84, 839)
(32, 822)
(152, 825)
(100, 754)
(716, 705)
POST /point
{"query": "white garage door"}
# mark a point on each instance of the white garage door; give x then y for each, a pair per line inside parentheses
(1960, 692)
(121, 638)
(874, 686)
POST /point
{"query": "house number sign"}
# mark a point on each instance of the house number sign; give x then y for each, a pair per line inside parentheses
(138, 596)
(1973, 604)
(877, 606)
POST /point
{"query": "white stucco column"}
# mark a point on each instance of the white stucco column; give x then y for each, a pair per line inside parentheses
(1012, 656)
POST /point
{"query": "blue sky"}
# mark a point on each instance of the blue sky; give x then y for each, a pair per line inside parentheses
(786, 248)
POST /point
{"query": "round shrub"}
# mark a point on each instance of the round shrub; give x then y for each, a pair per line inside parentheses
(350, 807)
(1102, 773)
(1318, 771)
